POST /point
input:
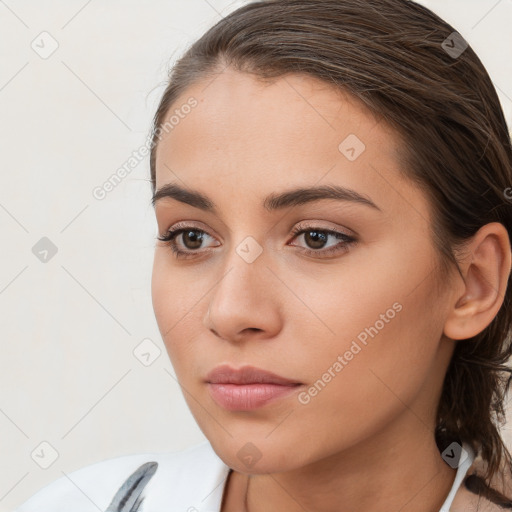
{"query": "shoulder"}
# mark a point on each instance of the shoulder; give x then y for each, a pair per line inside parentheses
(181, 479)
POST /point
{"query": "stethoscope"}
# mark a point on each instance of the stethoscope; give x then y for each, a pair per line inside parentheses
(129, 496)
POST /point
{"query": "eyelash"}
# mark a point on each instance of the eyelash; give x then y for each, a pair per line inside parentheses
(168, 239)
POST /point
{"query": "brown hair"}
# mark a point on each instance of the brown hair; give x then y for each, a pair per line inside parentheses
(398, 58)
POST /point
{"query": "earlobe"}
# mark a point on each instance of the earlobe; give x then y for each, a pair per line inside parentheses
(486, 271)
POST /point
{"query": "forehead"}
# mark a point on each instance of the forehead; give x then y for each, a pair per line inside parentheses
(249, 136)
(238, 106)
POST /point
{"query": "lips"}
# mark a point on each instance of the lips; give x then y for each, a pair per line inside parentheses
(247, 388)
(225, 374)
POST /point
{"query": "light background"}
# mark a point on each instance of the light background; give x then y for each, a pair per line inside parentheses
(68, 375)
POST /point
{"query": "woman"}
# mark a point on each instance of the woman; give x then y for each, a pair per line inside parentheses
(331, 182)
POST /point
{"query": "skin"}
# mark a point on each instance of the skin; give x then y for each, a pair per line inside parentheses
(366, 440)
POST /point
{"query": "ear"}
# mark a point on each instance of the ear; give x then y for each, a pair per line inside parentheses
(486, 268)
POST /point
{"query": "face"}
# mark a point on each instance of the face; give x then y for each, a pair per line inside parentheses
(336, 294)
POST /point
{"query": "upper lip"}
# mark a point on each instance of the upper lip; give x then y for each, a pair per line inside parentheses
(225, 374)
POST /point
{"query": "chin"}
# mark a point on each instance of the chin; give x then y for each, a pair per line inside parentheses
(257, 455)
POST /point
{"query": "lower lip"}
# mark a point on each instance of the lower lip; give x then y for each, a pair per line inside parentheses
(245, 397)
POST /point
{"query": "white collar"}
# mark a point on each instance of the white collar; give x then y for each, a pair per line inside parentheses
(191, 480)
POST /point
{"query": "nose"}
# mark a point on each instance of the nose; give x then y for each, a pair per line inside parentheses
(245, 303)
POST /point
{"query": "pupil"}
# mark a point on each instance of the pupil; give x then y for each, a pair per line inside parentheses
(192, 235)
(318, 238)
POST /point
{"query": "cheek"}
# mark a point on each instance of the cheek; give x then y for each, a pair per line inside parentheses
(375, 338)
(175, 293)
(163, 304)
(376, 380)
(175, 304)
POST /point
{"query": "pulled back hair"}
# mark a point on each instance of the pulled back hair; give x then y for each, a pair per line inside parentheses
(454, 144)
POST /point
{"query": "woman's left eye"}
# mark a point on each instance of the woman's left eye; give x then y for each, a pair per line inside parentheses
(192, 238)
(316, 236)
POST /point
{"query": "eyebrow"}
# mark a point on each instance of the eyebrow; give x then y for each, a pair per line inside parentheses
(273, 202)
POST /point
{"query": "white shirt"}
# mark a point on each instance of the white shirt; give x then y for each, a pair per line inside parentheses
(191, 480)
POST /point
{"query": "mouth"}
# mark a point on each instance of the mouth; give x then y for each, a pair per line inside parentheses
(247, 388)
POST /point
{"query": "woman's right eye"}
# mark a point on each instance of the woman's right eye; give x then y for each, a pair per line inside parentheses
(191, 239)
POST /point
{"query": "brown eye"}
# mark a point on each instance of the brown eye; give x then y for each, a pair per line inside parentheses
(191, 240)
(185, 241)
(316, 239)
